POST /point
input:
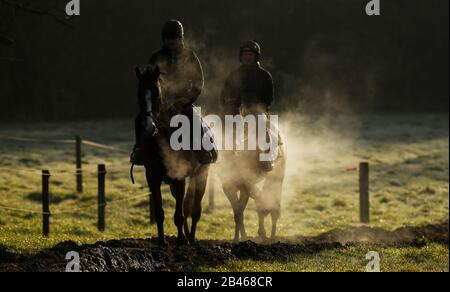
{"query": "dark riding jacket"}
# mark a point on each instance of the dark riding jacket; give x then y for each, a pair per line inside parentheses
(249, 87)
(181, 77)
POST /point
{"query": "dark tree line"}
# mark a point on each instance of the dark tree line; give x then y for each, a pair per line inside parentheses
(324, 55)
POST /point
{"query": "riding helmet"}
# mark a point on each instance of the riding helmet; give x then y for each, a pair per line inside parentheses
(172, 29)
(250, 46)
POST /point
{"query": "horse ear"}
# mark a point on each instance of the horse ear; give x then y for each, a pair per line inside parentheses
(156, 71)
(138, 72)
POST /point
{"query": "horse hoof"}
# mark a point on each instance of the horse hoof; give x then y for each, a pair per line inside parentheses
(193, 242)
(182, 241)
(263, 238)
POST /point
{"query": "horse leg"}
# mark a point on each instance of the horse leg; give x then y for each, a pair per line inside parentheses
(156, 200)
(211, 195)
(273, 188)
(152, 213)
(243, 201)
(200, 186)
(231, 191)
(187, 206)
(262, 229)
(275, 216)
(177, 188)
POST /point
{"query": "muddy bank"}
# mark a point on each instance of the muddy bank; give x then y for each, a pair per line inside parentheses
(146, 256)
(405, 236)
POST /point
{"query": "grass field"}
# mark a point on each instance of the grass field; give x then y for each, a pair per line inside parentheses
(431, 258)
(409, 186)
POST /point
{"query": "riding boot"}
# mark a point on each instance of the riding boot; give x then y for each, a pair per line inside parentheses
(267, 166)
(203, 156)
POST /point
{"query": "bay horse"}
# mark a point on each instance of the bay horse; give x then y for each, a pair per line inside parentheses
(165, 165)
(240, 174)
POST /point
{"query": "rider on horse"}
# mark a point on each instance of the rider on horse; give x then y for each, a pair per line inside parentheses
(250, 87)
(182, 83)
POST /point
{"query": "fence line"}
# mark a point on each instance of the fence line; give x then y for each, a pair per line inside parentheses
(77, 173)
(78, 156)
(54, 172)
(12, 170)
(351, 168)
(64, 141)
(75, 210)
(113, 202)
(21, 210)
(362, 169)
(104, 146)
(34, 140)
(110, 170)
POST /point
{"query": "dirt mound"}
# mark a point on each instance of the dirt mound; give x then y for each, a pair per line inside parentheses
(146, 256)
(405, 236)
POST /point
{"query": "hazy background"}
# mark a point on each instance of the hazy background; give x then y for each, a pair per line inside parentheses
(325, 56)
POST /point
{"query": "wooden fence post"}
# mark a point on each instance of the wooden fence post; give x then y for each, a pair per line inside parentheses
(364, 201)
(101, 197)
(79, 165)
(45, 203)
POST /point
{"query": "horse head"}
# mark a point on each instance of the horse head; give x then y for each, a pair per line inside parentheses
(149, 91)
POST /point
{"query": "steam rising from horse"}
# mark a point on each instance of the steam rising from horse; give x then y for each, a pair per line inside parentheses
(241, 173)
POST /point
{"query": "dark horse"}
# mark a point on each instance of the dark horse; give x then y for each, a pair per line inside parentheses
(163, 164)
